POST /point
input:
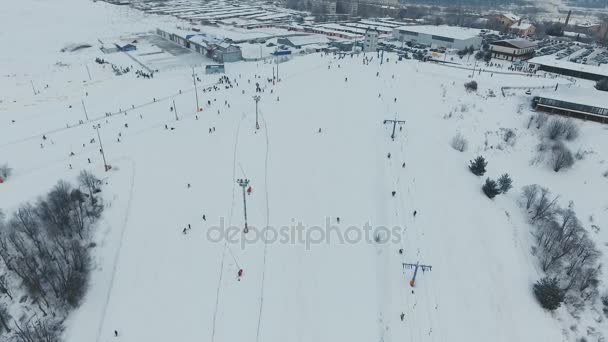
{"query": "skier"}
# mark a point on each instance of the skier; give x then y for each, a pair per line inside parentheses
(184, 231)
(319, 129)
(403, 165)
(394, 193)
(249, 190)
(388, 155)
(239, 274)
(189, 227)
(338, 219)
(415, 212)
(189, 186)
(400, 250)
(204, 218)
(115, 333)
(89, 160)
(402, 316)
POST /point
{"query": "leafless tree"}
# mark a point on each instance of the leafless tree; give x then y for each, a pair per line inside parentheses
(561, 157)
(5, 171)
(5, 317)
(459, 143)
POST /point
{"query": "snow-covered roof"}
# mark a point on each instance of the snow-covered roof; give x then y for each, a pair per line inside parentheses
(550, 60)
(308, 39)
(518, 43)
(522, 26)
(454, 32)
(584, 96)
(511, 16)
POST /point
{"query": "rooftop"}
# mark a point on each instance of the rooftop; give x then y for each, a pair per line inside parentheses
(522, 26)
(518, 43)
(454, 32)
(550, 60)
(584, 96)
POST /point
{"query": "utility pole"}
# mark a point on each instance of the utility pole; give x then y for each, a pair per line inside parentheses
(33, 88)
(175, 110)
(394, 122)
(277, 68)
(195, 91)
(88, 72)
(256, 98)
(416, 266)
(474, 66)
(85, 110)
(243, 183)
(103, 155)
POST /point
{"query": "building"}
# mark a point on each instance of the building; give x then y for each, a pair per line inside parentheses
(563, 67)
(370, 41)
(324, 6)
(523, 29)
(507, 19)
(512, 49)
(586, 104)
(451, 37)
(207, 45)
(299, 42)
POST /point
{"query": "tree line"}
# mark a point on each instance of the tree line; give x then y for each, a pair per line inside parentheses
(45, 250)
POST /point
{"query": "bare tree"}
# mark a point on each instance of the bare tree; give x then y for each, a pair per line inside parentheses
(555, 129)
(5, 171)
(561, 157)
(459, 143)
(5, 317)
(529, 194)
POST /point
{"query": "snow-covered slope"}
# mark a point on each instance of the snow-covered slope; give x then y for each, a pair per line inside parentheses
(320, 153)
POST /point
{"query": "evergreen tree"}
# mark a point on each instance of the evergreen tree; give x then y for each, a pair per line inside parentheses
(478, 166)
(505, 183)
(490, 188)
(602, 84)
(548, 293)
(488, 56)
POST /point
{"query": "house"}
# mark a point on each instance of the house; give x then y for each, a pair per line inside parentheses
(507, 19)
(210, 46)
(512, 49)
(586, 104)
(127, 47)
(523, 29)
(214, 69)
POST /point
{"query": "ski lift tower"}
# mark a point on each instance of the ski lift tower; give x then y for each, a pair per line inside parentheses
(243, 184)
(416, 266)
(394, 122)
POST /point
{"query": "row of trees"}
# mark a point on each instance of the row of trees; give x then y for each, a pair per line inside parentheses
(45, 248)
(564, 250)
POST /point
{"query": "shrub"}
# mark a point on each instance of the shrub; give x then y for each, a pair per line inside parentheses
(459, 143)
(558, 129)
(602, 84)
(488, 56)
(561, 157)
(505, 183)
(471, 86)
(478, 166)
(5, 171)
(548, 293)
(490, 188)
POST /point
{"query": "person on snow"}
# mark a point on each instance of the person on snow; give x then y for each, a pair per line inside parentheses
(204, 218)
(249, 189)
(403, 165)
(185, 231)
(388, 155)
(400, 250)
(338, 219)
(415, 212)
(394, 193)
(189, 186)
(402, 316)
(319, 129)
(115, 333)
(239, 274)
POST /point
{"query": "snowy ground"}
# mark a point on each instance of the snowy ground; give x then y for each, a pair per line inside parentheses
(153, 283)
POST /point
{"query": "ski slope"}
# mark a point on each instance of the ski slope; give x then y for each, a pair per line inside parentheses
(153, 283)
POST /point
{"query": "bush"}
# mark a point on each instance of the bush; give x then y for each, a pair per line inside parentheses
(471, 86)
(561, 157)
(490, 188)
(478, 166)
(558, 129)
(488, 56)
(548, 293)
(459, 143)
(505, 183)
(479, 55)
(5, 171)
(602, 84)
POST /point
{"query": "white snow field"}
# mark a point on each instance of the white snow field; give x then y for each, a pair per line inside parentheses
(153, 283)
